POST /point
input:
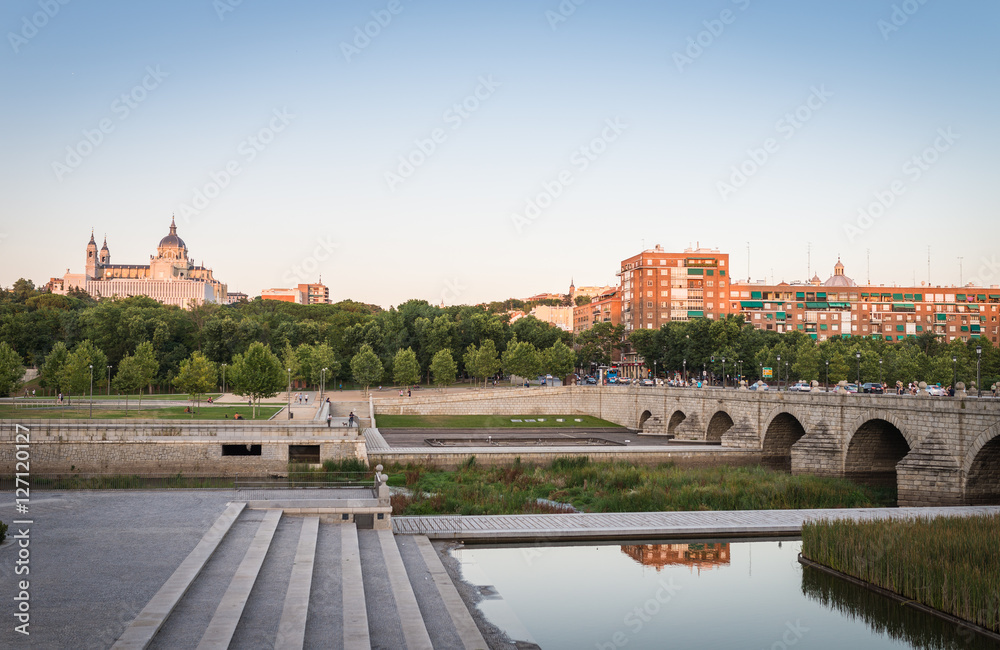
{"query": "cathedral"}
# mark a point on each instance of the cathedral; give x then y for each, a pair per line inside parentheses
(171, 277)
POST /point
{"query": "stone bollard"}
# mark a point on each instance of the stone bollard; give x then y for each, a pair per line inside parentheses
(922, 389)
(841, 388)
(960, 390)
(743, 385)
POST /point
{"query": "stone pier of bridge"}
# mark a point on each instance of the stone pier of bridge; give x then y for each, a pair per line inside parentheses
(936, 451)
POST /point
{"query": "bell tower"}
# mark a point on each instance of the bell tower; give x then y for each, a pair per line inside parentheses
(105, 255)
(92, 261)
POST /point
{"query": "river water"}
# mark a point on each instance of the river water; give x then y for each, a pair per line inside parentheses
(705, 595)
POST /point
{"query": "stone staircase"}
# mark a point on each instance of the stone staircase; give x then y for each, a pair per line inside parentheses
(274, 577)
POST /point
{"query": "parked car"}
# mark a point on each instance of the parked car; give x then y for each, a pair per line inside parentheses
(801, 387)
(873, 388)
(759, 386)
(936, 391)
(591, 381)
(648, 382)
(852, 388)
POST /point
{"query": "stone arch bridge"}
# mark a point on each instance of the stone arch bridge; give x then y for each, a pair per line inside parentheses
(937, 451)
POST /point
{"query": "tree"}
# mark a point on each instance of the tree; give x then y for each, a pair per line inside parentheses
(559, 359)
(482, 362)
(11, 370)
(521, 358)
(52, 369)
(366, 367)
(322, 356)
(136, 371)
(84, 364)
(443, 368)
(197, 376)
(581, 300)
(257, 373)
(405, 369)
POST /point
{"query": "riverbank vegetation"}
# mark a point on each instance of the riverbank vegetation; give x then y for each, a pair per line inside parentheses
(619, 487)
(949, 563)
(492, 422)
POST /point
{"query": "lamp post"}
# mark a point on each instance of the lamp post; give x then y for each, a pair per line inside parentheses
(954, 374)
(880, 371)
(224, 378)
(91, 416)
(109, 381)
(654, 372)
(723, 373)
(779, 372)
(761, 375)
(827, 383)
(857, 355)
(786, 375)
(712, 360)
(289, 393)
(685, 371)
(979, 357)
(322, 383)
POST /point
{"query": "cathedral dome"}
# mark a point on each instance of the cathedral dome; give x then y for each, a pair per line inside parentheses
(172, 240)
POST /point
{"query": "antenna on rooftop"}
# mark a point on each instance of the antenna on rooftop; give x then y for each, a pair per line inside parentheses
(869, 281)
(809, 250)
(928, 266)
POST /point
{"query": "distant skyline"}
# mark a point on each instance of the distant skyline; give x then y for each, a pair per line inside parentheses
(478, 151)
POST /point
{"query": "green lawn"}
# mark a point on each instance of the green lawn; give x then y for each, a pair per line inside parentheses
(101, 396)
(166, 413)
(488, 421)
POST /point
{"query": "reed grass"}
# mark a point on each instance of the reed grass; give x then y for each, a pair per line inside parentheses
(949, 563)
(620, 487)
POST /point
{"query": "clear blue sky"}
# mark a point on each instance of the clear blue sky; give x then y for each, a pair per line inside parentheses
(689, 106)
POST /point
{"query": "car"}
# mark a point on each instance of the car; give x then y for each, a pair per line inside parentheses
(759, 386)
(936, 391)
(648, 382)
(873, 388)
(592, 381)
(801, 387)
(852, 388)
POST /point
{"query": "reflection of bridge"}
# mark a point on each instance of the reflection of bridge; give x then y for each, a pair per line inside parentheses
(937, 451)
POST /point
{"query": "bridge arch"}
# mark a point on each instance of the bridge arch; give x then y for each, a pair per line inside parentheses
(982, 469)
(676, 418)
(643, 417)
(783, 431)
(874, 450)
(717, 426)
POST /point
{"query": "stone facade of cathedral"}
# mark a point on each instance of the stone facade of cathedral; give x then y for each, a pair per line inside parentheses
(171, 277)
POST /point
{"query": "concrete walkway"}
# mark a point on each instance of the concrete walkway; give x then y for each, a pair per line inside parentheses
(659, 525)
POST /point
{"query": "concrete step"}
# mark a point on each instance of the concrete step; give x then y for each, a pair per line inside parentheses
(292, 626)
(354, 603)
(227, 615)
(187, 623)
(448, 621)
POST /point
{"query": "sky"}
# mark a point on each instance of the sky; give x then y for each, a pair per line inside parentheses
(473, 151)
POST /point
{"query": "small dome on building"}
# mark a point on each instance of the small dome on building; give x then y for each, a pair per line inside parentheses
(172, 240)
(838, 279)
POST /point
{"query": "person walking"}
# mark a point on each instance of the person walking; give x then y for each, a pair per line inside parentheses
(329, 420)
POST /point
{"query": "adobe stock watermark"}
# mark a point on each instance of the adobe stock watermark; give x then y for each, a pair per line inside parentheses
(787, 126)
(30, 25)
(223, 7)
(697, 44)
(454, 117)
(247, 151)
(790, 637)
(309, 267)
(452, 291)
(913, 170)
(580, 160)
(366, 33)
(121, 108)
(562, 13)
(986, 275)
(899, 16)
(636, 619)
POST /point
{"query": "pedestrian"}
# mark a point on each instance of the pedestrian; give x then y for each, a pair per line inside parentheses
(60, 397)
(408, 393)
(307, 399)
(329, 420)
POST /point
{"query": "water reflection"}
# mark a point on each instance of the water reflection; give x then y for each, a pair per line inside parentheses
(671, 595)
(695, 556)
(889, 617)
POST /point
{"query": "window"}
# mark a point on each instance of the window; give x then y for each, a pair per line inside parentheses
(303, 454)
(711, 283)
(649, 283)
(649, 305)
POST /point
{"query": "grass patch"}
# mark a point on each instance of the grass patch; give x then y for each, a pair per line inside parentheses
(489, 422)
(620, 487)
(162, 413)
(949, 563)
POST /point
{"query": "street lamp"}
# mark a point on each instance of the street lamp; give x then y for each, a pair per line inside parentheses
(109, 381)
(91, 416)
(289, 393)
(224, 378)
(779, 373)
(723, 373)
(654, 372)
(954, 374)
(713, 368)
(979, 357)
(322, 383)
(827, 383)
(857, 355)
(786, 375)
(880, 371)
(685, 371)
